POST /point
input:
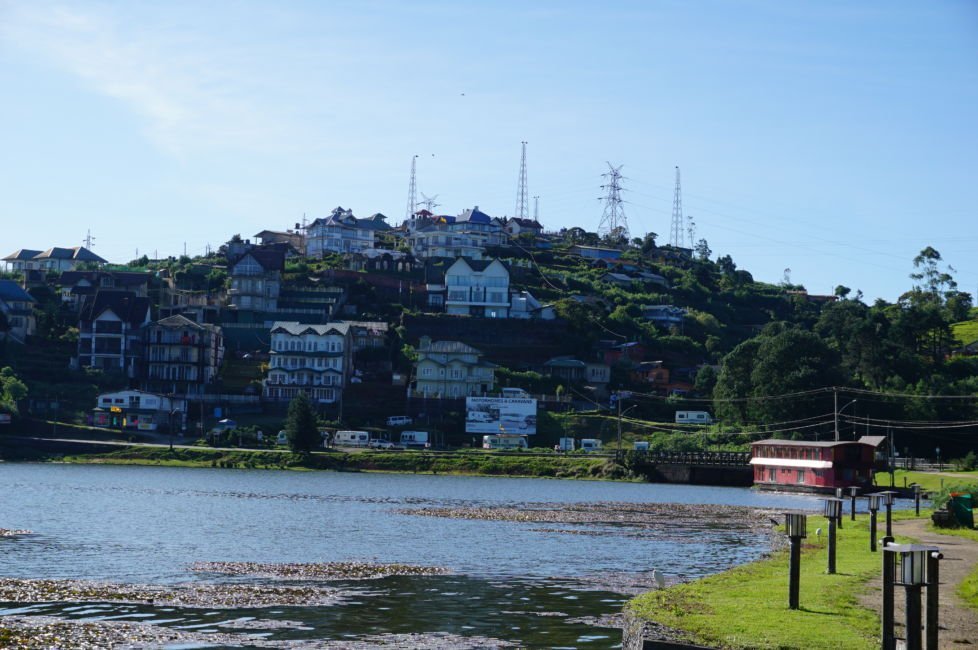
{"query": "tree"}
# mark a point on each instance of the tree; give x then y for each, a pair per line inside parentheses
(706, 379)
(300, 425)
(12, 390)
(702, 250)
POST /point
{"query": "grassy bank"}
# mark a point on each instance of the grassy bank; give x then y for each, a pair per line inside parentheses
(747, 607)
(471, 463)
(968, 590)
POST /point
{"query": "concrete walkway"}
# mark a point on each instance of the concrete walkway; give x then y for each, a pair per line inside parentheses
(958, 622)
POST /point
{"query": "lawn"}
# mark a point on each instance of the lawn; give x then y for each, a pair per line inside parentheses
(966, 331)
(747, 607)
(968, 590)
(930, 481)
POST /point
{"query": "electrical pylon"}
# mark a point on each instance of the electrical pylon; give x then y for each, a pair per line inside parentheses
(412, 190)
(676, 235)
(613, 221)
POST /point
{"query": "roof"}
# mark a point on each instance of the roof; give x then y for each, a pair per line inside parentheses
(474, 215)
(449, 347)
(481, 265)
(178, 321)
(13, 292)
(874, 441)
(527, 223)
(297, 329)
(619, 277)
(270, 259)
(807, 443)
(77, 253)
(21, 255)
(565, 362)
(122, 277)
(126, 305)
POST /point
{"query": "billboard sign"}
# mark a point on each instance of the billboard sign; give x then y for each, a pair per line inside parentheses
(515, 415)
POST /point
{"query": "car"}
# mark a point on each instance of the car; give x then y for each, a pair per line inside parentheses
(381, 444)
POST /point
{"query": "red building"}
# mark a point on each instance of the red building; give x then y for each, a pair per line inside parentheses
(804, 466)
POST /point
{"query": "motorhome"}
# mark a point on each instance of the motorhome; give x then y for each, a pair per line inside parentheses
(693, 417)
(565, 444)
(514, 392)
(641, 445)
(479, 416)
(504, 441)
(351, 438)
(399, 421)
(590, 444)
(414, 439)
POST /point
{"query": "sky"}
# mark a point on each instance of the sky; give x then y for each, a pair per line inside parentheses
(834, 139)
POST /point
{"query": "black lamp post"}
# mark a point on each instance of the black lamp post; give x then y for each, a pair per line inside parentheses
(838, 495)
(915, 560)
(888, 502)
(796, 530)
(874, 505)
(916, 499)
(833, 512)
(853, 493)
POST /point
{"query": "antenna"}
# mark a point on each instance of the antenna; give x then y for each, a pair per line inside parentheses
(89, 240)
(429, 202)
(521, 211)
(412, 189)
(613, 222)
(676, 233)
(691, 230)
(536, 209)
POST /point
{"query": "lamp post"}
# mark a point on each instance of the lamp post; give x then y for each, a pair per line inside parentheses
(874, 505)
(916, 499)
(888, 496)
(940, 465)
(838, 411)
(832, 509)
(796, 524)
(853, 493)
(915, 560)
(617, 397)
(838, 495)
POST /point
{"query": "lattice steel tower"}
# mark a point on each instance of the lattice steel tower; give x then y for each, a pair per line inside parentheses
(613, 221)
(676, 234)
(521, 208)
(412, 201)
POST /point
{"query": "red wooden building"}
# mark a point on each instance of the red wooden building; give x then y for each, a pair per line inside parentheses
(804, 466)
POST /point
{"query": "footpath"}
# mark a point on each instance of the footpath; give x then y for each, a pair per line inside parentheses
(958, 621)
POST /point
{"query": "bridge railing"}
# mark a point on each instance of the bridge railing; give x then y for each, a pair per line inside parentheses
(695, 457)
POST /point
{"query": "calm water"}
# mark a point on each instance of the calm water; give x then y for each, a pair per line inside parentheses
(148, 524)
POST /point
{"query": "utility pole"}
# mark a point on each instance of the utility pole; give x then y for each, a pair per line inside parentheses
(521, 210)
(536, 209)
(89, 240)
(676, 233)
(412, 189)
(613, 221)
(835, 411)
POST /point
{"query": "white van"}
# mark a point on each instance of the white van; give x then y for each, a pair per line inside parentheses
(590, 444)
(399, 421)
(504, 441)
(565, 444)
(351, 439)
(641, 445)
(693, 417)
(414, 439)
(514, 392)
(479, 416)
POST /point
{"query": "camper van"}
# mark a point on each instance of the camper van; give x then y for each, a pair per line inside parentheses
(514, 392)
(693, 417)
(590, 444)
(565, 444)
(479, 416)
(504, 441)
(414, 439)
(641, 445)
(398, 421)
(351, 439)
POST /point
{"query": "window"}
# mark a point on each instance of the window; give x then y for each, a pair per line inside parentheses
(800, 477)
(772, 475)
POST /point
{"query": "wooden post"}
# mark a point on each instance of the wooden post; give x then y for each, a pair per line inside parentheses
(933, 592)
(912, 612)
(916, 500)
(852, 506)
(889, 520)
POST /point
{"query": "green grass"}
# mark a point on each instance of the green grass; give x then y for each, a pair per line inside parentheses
(930, 481)
(968, 589)
(965, 331)
(747, 607)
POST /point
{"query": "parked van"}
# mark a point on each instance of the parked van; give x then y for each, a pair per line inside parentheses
(414, 439)
(514, 392)
(504, 441)
(282, 438)
(693, 417)
(641, 445)
(351, 438)
(590, 444)
(399, 421)
(565, 444)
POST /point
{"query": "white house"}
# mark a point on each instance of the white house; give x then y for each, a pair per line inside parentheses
(524, 305)
(341, 232)
(478, 288)
(136, 409)
(314, 359)
(451, 369)
(466, 235)
(53, 259)
(256, 279)
(663, 314)
(17, 307)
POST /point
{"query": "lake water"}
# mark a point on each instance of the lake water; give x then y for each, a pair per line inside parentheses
(149, 524)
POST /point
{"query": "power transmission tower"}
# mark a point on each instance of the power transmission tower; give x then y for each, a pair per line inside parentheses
(428, 202)
(412, 189)
(89, 240)
(613, 222)
(536, 209)
(676, 237)
(691, 230)
(521, 209)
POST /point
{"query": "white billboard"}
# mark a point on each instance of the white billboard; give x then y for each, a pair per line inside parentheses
(516, 415)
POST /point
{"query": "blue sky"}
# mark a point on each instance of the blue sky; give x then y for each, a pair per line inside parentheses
(836, 139)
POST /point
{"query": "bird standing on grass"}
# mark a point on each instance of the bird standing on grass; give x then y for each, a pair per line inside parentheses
(660, 582)
(818, 535)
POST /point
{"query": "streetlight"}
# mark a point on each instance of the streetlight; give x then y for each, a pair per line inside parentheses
(795, 523)
(838, 495)
(853, 493)
(838, 412)
(832, 509)
(940, 465)
(617, 397)
(888, 497)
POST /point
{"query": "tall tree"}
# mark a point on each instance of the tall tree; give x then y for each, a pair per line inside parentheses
(300, 425)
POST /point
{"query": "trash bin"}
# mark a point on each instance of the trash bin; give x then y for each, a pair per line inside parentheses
(961, 505)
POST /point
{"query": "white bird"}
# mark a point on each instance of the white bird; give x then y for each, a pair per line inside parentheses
(818, 535)
(660, 582)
